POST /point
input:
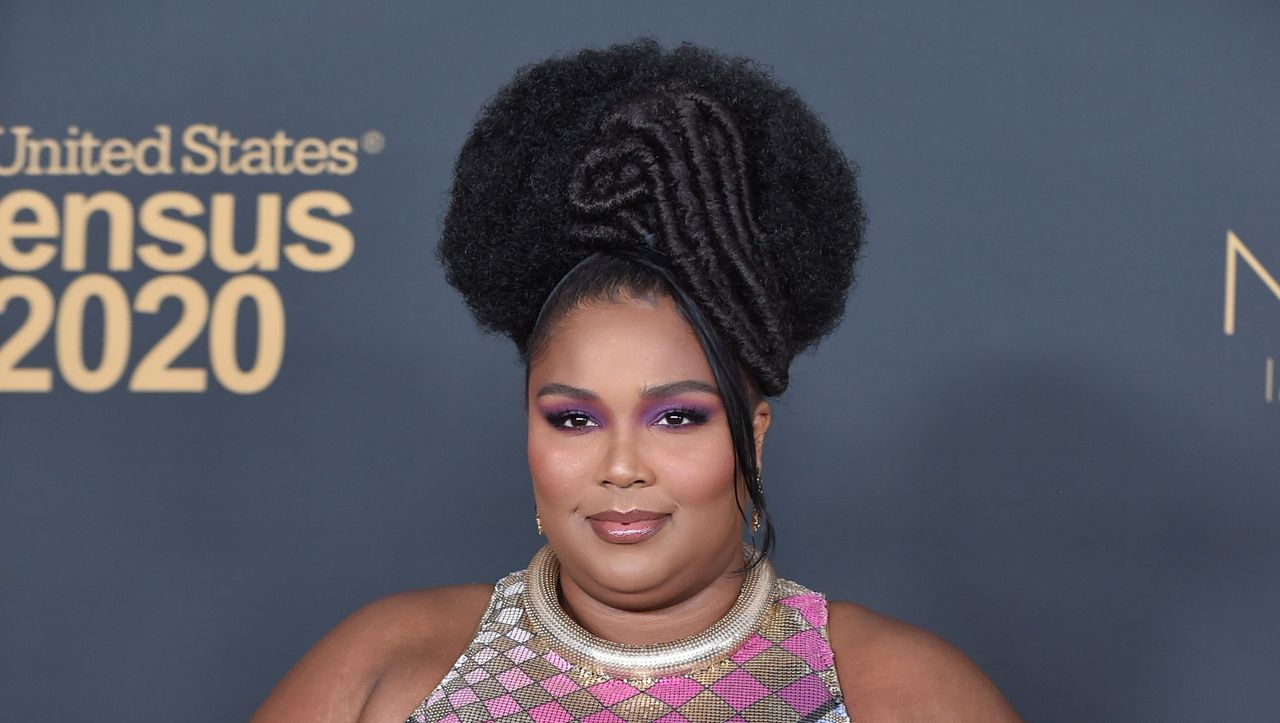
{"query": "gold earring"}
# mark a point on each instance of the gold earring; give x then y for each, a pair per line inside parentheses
(755, 511)
(537, 520)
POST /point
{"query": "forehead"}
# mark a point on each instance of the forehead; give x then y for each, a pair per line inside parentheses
(626, 343)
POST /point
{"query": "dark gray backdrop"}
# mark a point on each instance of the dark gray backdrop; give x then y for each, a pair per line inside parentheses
(1030, 435)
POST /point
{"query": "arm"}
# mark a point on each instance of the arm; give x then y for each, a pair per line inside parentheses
(897, 673)
(381, 661)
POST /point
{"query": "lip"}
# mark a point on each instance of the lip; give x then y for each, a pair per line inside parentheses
(627, 528)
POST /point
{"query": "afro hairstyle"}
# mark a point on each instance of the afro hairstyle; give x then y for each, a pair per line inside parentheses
(701, 157)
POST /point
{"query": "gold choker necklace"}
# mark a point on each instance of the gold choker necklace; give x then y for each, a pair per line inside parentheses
(603, 657)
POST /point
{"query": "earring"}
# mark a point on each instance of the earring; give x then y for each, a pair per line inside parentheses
(537, 520)
(755, 510)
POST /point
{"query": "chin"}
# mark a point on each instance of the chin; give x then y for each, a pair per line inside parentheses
(647, 574)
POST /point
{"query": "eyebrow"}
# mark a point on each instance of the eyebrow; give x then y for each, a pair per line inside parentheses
(660, 391)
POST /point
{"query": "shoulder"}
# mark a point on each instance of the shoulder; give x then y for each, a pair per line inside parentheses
(380, 661)
(892, 671)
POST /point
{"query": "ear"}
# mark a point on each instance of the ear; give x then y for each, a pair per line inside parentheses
(760, 423)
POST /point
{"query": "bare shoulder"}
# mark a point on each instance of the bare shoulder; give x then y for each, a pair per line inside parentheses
(380, 661)
(893, 671)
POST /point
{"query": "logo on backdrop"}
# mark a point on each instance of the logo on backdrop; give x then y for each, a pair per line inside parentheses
(169, 233)
(1237, 252)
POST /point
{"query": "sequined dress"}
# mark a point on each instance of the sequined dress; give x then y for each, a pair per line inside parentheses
(784, 671)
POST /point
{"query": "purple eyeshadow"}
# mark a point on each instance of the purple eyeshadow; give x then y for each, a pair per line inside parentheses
(698, 412)
(556, 415)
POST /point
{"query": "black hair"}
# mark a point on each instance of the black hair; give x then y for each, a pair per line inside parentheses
(700, 156)
(643, 273)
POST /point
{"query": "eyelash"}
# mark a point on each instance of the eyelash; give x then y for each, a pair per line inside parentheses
(558, 419)
(693, 417)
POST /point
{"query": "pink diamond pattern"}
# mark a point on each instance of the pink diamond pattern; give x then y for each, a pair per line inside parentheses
(551, 712)
(805, 694)
(519, 654)
(674, 691)
(750, 649)
(506, 705)
(739, 689)
(812, 606)
(514, 679)
(560, 686)
(557, 661)
(612, 692)
(810, 647)
(463, 697)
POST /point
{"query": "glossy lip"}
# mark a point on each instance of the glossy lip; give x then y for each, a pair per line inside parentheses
(626, 528)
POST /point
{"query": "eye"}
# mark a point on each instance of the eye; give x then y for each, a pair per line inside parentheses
(571, 420)
(681, 418)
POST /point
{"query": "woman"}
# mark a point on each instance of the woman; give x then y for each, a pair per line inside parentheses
(660, 233)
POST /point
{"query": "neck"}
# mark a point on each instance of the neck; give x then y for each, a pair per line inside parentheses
(682, 615)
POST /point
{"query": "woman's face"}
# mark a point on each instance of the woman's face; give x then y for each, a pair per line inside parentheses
(631, 458)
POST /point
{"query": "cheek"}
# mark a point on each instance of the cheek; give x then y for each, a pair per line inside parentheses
(699, 470)
(558, 465)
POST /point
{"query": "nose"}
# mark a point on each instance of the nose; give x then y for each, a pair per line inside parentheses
(625, 463)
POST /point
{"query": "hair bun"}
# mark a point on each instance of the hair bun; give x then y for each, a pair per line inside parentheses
(694, 154)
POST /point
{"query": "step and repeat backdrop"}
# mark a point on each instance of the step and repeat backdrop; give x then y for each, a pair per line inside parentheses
(238, 400)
